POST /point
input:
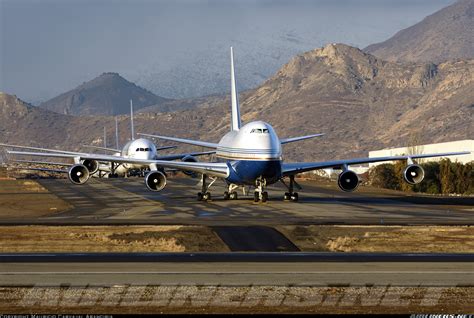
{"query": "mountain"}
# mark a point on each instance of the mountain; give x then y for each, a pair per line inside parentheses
(107, 94)
(445, 35)
(361, 102)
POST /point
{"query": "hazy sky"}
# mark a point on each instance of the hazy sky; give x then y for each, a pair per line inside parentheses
(180, 48)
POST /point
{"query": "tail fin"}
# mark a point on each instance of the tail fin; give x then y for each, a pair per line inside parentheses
(131, 120)
(116, 133)
(235, 124)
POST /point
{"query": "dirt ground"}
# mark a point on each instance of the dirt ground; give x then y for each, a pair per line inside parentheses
(133, 238)
(27, 198)
(403, 239)
(237, 299)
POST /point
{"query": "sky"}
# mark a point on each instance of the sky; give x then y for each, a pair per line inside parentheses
(180, 48)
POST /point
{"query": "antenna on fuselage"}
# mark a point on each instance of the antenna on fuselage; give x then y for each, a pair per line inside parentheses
(131, 120)
(235, 107)
(116, 134)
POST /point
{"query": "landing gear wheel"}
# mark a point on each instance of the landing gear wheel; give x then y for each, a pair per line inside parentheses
(264, 196)
(233, 196)
(256, 197)
(199, 196)
(206, 196)
(226, 195)
(286, 197)
(294, 197)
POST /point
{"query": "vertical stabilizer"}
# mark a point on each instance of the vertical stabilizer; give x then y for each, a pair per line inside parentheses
(235, 124)
(105, 137)
(116, 134)
(131, 120)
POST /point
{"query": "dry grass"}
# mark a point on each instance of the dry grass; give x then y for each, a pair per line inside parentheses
(14, 239)
(27, 198)
(443, 239)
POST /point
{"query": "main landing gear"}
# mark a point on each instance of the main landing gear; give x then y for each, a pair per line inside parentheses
(291, 195)
(260, 194)
(231, 193)
(205, 195)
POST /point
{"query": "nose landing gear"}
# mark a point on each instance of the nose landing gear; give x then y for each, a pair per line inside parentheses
(260, 194)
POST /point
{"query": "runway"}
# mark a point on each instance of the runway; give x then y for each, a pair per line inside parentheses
(127, 201)
(238, 269)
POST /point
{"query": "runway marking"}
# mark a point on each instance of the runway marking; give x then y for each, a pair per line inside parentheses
(239, 273)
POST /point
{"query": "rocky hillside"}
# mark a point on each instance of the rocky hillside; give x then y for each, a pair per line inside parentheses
(358, 100)
(445, 35)
(107, 94)
(361, 103)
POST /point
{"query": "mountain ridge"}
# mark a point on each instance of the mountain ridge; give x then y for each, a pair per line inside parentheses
(445, 35)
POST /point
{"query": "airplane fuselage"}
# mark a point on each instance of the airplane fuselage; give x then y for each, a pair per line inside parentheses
(253, 152)
(137, 149)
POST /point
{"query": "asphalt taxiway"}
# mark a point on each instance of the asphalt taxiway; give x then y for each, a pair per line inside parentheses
(127, 201)
(237, 269)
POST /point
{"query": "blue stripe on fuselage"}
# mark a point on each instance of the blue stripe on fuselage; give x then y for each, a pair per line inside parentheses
(247, 171)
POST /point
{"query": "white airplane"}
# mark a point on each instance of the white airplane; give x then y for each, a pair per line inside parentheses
(251, 155)
(84, 167)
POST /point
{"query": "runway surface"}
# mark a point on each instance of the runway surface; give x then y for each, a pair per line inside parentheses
(125, 201)
(238, 269)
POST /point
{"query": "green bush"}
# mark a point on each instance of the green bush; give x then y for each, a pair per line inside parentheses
(444, 177)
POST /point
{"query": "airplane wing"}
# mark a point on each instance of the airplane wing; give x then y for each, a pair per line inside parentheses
(43, 162)
(40, 169)
(185, 141)
(288, 140)
(217, 169)
(289, 169)
(43, 149)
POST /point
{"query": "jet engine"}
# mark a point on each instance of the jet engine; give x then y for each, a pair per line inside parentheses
(348, 181)
(78, 174)
(155, 181)
(91, 165)
(190, 159)
(413, 174)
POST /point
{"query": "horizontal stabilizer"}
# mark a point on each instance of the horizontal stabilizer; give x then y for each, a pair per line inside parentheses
(165, 147)
(288, 140)
(184, 141)
(102, 148)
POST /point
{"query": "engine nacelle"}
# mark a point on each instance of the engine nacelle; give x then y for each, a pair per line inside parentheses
(413, 174)
(78, 174)
(190, 159)
(91, 165)
(155, 181)
(348, 181)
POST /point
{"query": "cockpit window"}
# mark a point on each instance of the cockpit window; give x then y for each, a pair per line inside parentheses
(259, 131)
(138, 149)
(147, 149)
